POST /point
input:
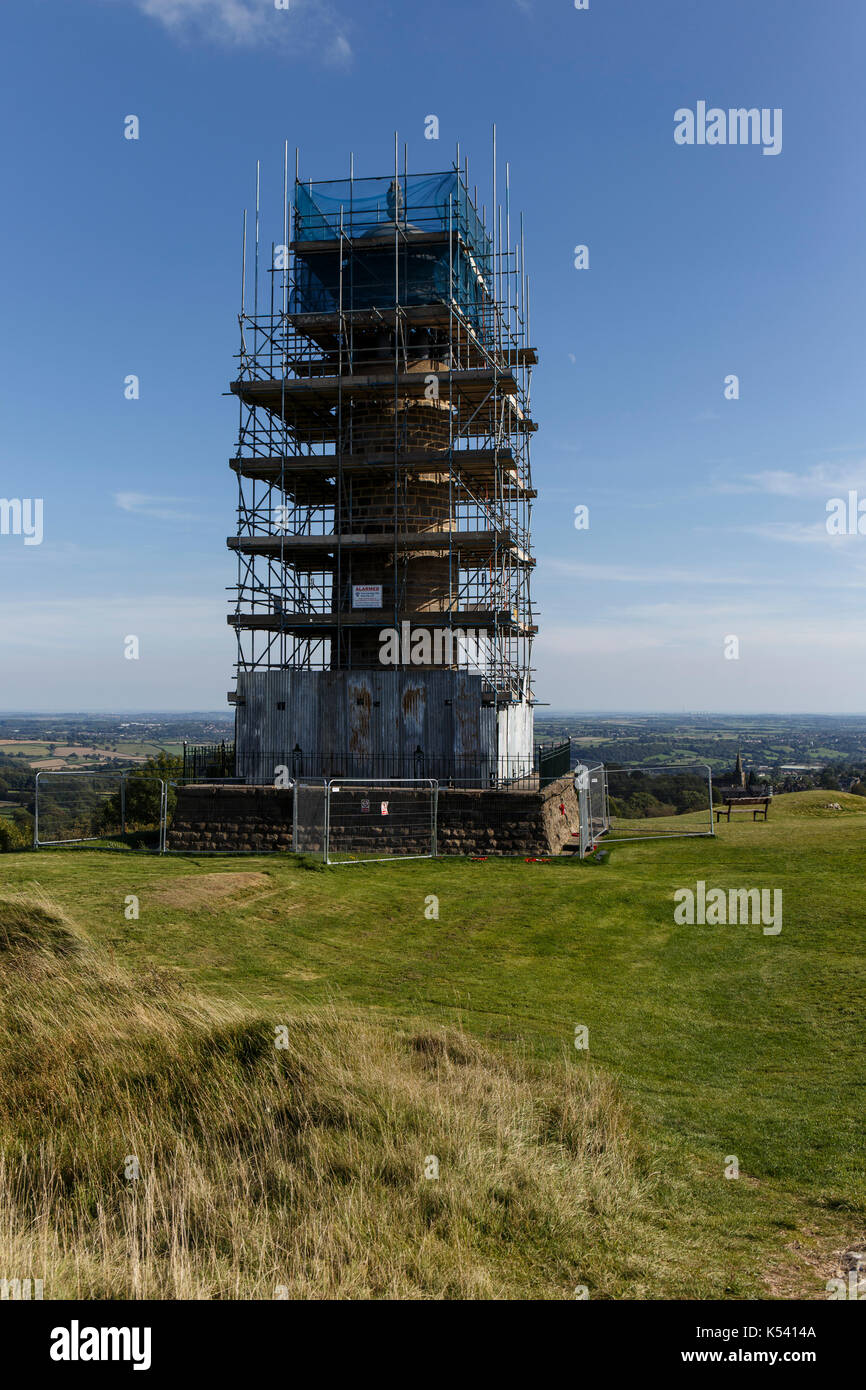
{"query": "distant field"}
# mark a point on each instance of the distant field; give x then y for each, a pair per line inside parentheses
(70, 755)
(721, 1041)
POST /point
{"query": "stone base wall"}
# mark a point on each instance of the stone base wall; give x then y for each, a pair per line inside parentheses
(228, 818)
(508, 822)
(222, 819)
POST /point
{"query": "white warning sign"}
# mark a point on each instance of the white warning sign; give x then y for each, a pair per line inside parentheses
(366, 595)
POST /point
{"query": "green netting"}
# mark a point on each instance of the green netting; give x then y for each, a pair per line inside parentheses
(424, 201)
(373, 207)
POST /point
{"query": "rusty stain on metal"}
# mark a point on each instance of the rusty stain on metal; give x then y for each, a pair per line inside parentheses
(413, 702)
(360, 706)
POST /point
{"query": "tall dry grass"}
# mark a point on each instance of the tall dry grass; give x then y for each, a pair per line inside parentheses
(295, 1172)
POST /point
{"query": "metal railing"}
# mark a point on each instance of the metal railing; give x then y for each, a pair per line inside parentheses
(208, 760)
(552, 760)
(258, 767)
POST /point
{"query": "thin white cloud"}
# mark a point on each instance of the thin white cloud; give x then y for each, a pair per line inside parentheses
(242, 22)
(824, 480)
(72, 652)
(786, 664)
(301, 24)
(703, 630)
(339, 55)
(795, 533)
(157, 508)
(93, 625)
(645, 574)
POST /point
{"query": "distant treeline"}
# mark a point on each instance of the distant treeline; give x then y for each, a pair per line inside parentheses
(635, 795)
(82, 806)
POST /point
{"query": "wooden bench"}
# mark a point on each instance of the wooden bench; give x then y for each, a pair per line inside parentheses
(755, 804)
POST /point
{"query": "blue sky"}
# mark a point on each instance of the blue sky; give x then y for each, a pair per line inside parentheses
(707, 515)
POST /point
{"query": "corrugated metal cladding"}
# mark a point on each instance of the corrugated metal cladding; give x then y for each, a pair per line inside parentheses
(364, 724)
(516, 737)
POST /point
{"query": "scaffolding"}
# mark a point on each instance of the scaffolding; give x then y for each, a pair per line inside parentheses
(384, 430)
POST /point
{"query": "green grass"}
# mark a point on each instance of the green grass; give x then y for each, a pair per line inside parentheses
(155, 1144)
(721, 1040)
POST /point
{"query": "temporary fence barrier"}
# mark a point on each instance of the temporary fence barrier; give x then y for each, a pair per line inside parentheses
(89, 806)
(377, 820)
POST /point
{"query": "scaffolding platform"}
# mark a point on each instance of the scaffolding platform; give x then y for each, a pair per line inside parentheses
(304, 622)
(293, 549)
(469, 470)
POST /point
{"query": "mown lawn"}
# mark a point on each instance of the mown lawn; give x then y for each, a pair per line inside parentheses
(724, 1041)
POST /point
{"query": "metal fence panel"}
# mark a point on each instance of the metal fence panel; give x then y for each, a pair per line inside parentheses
(241, 822)
(651, 803)
(591, 785)
(597, 809)
(310, 818)
(89, 806)
(370, 821)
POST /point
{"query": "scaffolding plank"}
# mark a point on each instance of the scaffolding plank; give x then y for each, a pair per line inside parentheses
(299, 623)
(473, 383)
(484, 541)
(310, 322)
(317, 471)
(332, 246)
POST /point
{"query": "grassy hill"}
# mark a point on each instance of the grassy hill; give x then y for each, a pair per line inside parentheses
(411, 1036)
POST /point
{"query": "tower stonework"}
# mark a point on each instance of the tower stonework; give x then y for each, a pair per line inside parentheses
(383, 609)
